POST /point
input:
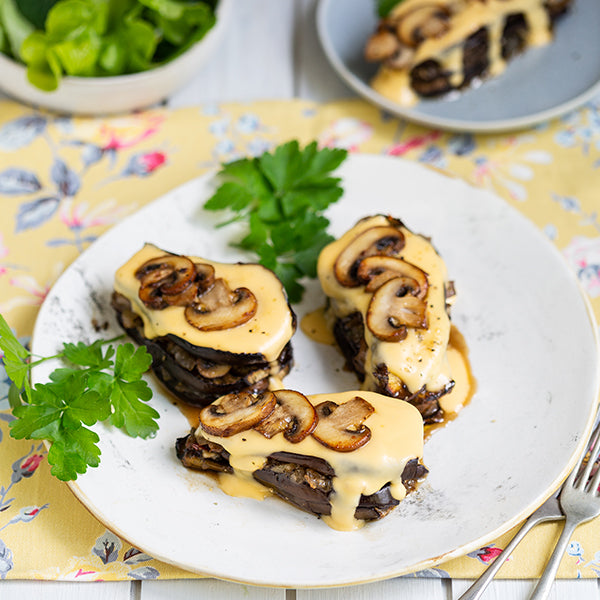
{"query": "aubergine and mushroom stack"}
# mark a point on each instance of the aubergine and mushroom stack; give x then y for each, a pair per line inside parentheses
(426, 48)
(211, 328)
(389, 307)
(347, 457)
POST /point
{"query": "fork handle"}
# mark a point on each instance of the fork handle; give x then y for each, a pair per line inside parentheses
(542, 589)
(477, 589)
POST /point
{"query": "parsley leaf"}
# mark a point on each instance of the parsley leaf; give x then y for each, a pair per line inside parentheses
(15, 356)
(385, 7)
(72, 452)
(129, 392)
(281, 196)
(88, 355)
(99, 383)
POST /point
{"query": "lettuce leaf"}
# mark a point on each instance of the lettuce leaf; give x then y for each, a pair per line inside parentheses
(35, 11)
(15, 26)
(96, 38)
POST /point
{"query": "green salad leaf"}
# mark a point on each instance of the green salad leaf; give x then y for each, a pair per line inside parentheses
(96, 38)
(35, 11)
(16, 28)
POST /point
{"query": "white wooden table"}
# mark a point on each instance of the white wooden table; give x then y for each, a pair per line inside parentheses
(272, 51)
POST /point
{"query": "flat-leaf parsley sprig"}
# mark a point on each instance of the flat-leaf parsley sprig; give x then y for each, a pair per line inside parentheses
(98, 383)
(282, 196)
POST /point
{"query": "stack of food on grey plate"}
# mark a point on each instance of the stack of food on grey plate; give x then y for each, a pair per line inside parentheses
(427, 48)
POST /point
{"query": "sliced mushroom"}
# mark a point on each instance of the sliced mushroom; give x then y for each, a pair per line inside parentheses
(169, 275)
(402, 59)
(449, 294)
(391, 311)
(205, 276)
(426, 21)
(376, 270)
(378, 240)
(381, 45)
(220, 308)
(203, 280)
(211, 370)
(170, 271)
(294, 415)
(341, 427)
(236, 412)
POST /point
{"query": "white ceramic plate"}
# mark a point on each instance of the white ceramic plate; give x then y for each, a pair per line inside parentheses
(533, 351)
(538, 85)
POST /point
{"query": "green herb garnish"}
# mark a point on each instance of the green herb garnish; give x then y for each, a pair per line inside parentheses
(384, 7)
(282, 196)
(99, 383)
(97, 38)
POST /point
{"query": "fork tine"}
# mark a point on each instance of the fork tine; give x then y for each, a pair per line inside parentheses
(593, 446)
(593, 485)
(595, 482)
(571, 479)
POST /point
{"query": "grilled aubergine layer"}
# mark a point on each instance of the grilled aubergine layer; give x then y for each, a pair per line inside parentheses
(198, 375)
(304, 481)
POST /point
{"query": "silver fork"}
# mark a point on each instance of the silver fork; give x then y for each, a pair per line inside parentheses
(549, 511)
(580, 501)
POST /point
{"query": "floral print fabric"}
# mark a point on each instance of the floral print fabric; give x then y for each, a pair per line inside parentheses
(64, 181)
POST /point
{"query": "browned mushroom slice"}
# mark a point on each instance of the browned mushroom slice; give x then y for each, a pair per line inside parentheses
(203, 280)
(381, 45)
(402, 59)
(205, 276)
(236, 412)
(426, 21)
(449, 294)
(378, 240)
(294, 415)
(211, 370)
(220, 308)
(376, 270)
(391, 311)
(168, 275)
(171, 272)
(340, 426)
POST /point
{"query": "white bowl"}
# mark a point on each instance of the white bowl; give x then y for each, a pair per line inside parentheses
(122, 93)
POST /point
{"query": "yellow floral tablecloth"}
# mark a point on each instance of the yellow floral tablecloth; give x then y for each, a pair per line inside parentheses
(64, 181)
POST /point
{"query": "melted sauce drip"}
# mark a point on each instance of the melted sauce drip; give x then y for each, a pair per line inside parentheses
(467, 17)
(464, 382)
(316, 327)
(191, 413)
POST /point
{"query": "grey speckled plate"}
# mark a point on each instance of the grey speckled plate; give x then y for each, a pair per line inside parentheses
(540, 84)
(533, 353)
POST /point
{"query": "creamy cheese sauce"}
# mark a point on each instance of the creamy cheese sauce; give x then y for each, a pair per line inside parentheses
(420, 359)
(266, 333)
(464, 382)
(467, 16)
(316, 326)
(397, 437)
